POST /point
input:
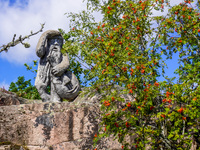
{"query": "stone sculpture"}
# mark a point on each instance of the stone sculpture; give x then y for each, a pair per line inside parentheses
(52, 70)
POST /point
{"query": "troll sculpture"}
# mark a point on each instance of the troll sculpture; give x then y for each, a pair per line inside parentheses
(53, 70)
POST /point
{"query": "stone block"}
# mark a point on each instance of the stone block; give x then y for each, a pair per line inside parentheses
(52, 126)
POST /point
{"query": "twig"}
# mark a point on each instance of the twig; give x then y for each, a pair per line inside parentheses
(19, 40)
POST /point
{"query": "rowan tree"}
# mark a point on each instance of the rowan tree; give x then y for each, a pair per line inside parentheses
(128, 48)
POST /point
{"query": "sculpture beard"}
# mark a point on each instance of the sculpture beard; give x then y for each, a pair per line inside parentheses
(64, 84)
(55, 55)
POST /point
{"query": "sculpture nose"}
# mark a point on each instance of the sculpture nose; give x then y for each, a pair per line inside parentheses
(56, 43)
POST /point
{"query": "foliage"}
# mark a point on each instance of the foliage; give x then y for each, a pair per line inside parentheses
(75, 65)
(127, 47)
(21, 39)
(32, 68)
(24, 89)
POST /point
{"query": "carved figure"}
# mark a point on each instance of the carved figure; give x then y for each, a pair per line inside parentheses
(52, 69)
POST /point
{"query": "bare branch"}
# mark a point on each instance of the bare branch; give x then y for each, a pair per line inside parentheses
(19, 40)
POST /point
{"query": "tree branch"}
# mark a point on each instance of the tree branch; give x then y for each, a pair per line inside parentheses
(19, 40)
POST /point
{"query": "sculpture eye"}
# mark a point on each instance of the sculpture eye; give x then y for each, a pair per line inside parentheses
(55, 41)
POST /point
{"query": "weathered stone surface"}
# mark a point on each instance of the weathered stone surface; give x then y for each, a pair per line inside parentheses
(53, 70)
(55, 126)
(9, 98)
(52, 126)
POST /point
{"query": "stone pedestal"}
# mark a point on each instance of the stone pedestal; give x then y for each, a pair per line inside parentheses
(51, 126)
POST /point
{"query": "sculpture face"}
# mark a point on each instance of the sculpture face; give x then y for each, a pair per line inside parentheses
(56, 41)
(54, 45)
(52, 70)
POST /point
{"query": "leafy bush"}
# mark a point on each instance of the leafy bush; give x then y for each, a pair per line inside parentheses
(24, 89)
(128, 47)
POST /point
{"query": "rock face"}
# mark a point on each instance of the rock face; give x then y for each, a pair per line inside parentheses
(51, 126)
(9, 98)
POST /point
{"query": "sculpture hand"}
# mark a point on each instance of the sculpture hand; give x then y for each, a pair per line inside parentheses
(57, 71)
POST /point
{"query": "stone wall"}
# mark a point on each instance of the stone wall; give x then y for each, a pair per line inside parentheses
(51, 126)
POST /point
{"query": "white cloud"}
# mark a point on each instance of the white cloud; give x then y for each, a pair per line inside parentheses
(4, 85)
(20, 19)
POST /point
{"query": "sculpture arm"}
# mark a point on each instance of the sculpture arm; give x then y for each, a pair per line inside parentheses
(65, 62)
(59, 69)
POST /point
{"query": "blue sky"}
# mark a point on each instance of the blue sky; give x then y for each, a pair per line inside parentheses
(22, 16)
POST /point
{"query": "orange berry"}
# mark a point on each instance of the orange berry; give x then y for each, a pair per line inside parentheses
(142, 66)
(124, 109)
(180, 110)
(184, 118)
(106, 103)
(129, 104)
(156, 84)
(152, 107)
(103, 71)
(127, 124)
(109, 8)
(112, 54)
(162, 115)
(164, 100)
(142, 71)
(169, 101)
(194, 99)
